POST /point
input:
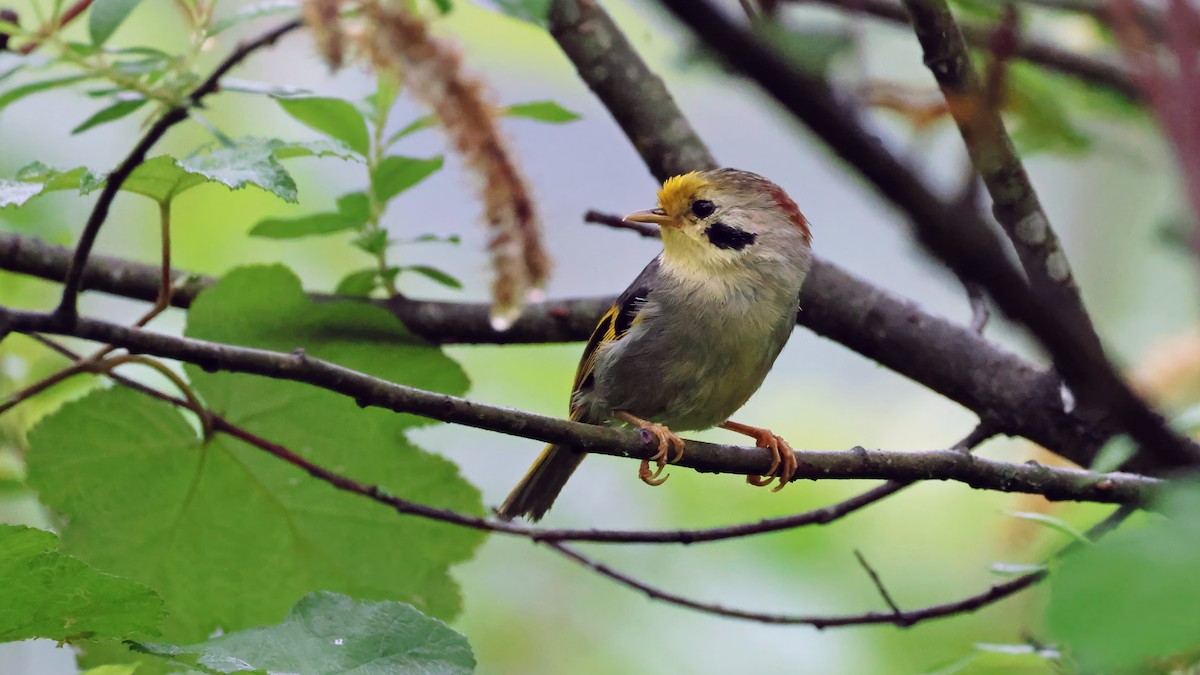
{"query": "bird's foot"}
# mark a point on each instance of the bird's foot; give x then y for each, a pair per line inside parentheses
(783, 461)
(670, 448)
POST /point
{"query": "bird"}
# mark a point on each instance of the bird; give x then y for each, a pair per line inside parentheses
(694, 335)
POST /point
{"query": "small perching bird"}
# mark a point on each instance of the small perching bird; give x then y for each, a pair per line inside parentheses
(693, 337)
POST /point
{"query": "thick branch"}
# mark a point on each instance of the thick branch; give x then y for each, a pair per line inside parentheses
(1015, 202)
(857, 463)
(960, 240)
(1011, 394)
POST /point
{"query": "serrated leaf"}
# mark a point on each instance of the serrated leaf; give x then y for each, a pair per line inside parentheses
(395, 174)
(435, 275)
(164, 178)
(37, 178)
(47, 594)
(106, 16)
(333, 117)
(416, 125)
(1056, 524)
(146, 497)
(353, 212)
(532, 11)
(255, 11)
(324, 147)
(1132, 596)
(542, 111)
(331, 633)
(13, 95)
(358, 284)
(110, 114)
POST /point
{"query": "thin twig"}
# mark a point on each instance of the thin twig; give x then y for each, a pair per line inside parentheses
(67, 310)
(619, 223)
(961, 241)
(1051, 482)
(902, 619)
(58, 23)
(883, 591)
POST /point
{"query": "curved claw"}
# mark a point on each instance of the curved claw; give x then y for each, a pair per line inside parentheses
(670, 448)
(783, 459)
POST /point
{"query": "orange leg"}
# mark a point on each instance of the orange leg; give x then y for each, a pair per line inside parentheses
(668, 445)
(783, 464)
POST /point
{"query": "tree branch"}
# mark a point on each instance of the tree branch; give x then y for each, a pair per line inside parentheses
(1014, 396)
(365, 390)
(960, 240)
(899, 618)
(67, 310)
(1015, 203)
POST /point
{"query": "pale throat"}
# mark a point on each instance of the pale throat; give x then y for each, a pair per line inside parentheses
(690, 260)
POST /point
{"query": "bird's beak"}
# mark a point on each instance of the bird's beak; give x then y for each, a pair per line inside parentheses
(655, 216)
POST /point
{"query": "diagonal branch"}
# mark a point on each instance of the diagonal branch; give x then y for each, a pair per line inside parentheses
(67, 310)
(1015, 202)
(365, 390)
(962, 241)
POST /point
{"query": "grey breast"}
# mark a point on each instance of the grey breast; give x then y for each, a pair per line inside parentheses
(688, 362)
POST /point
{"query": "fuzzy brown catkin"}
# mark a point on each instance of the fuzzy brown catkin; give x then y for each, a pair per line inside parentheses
(321, 17)
(433, 72)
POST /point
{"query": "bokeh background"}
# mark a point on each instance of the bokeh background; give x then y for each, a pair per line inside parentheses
(527, 610)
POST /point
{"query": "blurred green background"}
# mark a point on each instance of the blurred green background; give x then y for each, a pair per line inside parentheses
(527, 610)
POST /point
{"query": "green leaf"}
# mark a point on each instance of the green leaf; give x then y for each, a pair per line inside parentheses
(374, 242)
(331, 633)
(1056, 524)
(1133, 595)
(145, 496)
(112, 669)
(358, 284)
(18, 93)
(164, 178)
(110, 114)
(1043, 120)
(542, 111)
(333, 117)
(380, 102)
(47, 594)
(435, 274)
(1015, 569)
(395, 174)
(443, 6)
(1113, 454)
(255, 11)
(106, 16)
(37, 178)
(533, 11)
(353, 212)
(416, 125)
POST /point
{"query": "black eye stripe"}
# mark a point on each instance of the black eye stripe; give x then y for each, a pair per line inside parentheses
(729, 237)
(703, 208)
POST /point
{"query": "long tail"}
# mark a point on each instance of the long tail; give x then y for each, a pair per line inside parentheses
(537, 491)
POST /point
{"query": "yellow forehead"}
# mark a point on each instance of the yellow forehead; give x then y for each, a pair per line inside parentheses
(677, 192)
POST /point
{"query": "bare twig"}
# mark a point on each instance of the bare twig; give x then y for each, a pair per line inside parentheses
(67, 310)
(964, 243)
(899, 618)
(878, 583)
(619, 223)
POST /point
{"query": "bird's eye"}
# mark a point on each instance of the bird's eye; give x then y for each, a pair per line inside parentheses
(703, 208)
